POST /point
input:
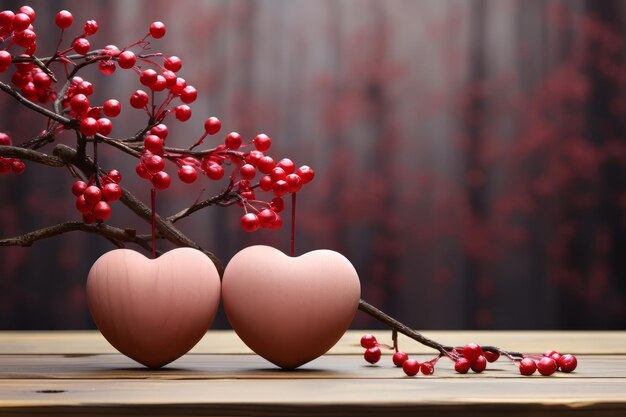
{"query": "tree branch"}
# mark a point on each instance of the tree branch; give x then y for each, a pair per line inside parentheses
(30, 155)
(39, 109)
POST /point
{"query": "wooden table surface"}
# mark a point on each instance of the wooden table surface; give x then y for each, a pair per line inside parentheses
(78, 373)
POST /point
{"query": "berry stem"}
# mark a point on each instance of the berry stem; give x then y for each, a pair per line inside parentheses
(293, 224)
(153, 228)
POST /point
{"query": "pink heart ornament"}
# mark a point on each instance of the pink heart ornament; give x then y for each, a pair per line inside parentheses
(290, 310)
(153, 310)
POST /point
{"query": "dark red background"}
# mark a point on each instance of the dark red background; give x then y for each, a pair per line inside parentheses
(470, 155)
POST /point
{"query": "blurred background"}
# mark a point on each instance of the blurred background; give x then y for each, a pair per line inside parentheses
(470, 155)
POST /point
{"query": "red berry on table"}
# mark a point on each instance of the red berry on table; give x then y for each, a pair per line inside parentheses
(81, 46)
(306, 174)
(479, 364)
(173, 63)
(104, 126)
(183, 112)
(546, 366)
(491, 356)
(64, 19)
(372, 355)
(233, 141)
(247, 171)
(148, 77)
(160, 130)
(250, 222)
(187, 174)
(411, 367)
(92, 194)
(556, 356)
(90, 27)
(214, 171)
(157, 30)
(399, 358)
(79, 103)
(287, 164)
(266, 183)
(126, 59)
(568, 363)
(427, 368)
(139, 99)
(472, 351)
(153, 143)
(367, 340)
(462, 365)
(212, 125)
(89, 126)
(161, 180)
(112, 108)
(189, 94)
(102, 210)
(266, 217)
(78, 188)
(527, 366)
(111, 191)
(295, 183)
(262, 142)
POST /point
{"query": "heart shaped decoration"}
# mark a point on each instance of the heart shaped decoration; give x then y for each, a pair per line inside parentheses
(290, 310)
(153, 310)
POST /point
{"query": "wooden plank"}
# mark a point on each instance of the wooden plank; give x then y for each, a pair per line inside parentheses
(427, 396)
(225, 341)
(201, 366)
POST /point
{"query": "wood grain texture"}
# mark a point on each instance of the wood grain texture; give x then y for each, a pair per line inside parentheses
(226, 342)
(76, 373)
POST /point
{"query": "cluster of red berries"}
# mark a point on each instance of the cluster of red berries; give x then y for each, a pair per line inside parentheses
(548, 363)
(471, 356)
(93, 198)
(18, 29)
(9, 164)
(91, 119)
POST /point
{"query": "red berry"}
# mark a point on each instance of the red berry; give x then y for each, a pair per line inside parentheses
(90, 27)
(250, 222)
(126, 59)
(82, 205)
(247, 171)
(262, 142)
(189, 94)
(78, 188)
(254, 157)
(139, 99)
(427, 368)
(6, 18)
(5, 60)
(64, 19)
(491, 356)
(148, 77)
(278, 173)
(568, 363)
(115, 175)
(277, 204)
(295, 183)
(267, 217)
(287, 164)
(233, 140)
(462, 365)
(157, 30)
(111, 50)
(399, 358)
(306, 174)
(29, 11)
(89, 126)
(187, 174)
(173, 63)
(106, 67)
(42, 80)
(154, 163)
(266, 164)
(92, 194)
(183, 112)
(112, 107)
(160, 130)
(280, 188)
(85, 87)
(472, 351)
(104, 126)
(89, 218)
(479, 364)
(5, 139)
(372, 355)
(277, 223)
(411, 367)
(81, 46)
(102, 210)
(527, 366)
(368, 340)
(142, 171)
(17, 166)
(79, 103)
(212, 125)
(111, 191)
(214, 171)
(161, 180)
(153, 143)
(21, 22)
(170, 78)
(25, 39)
(266, 183)
(546, 366)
